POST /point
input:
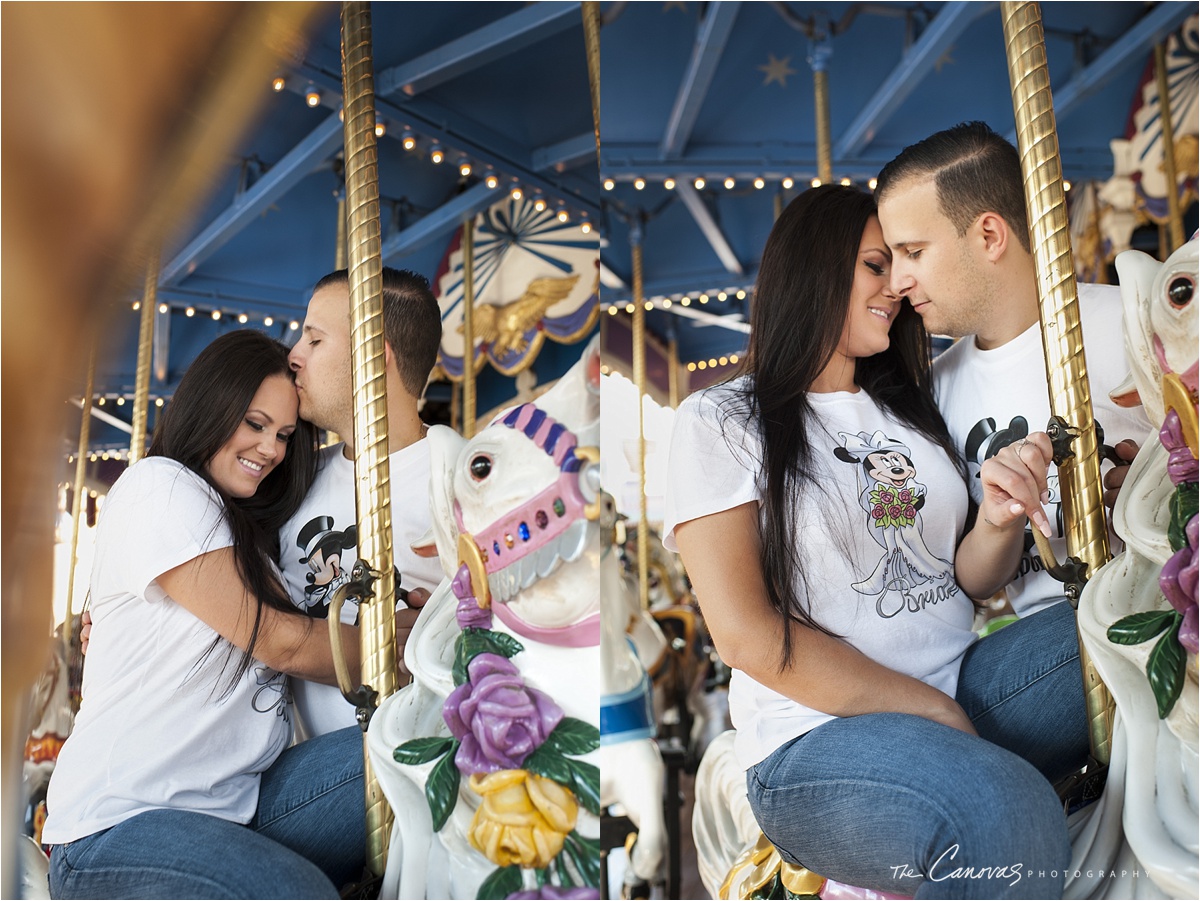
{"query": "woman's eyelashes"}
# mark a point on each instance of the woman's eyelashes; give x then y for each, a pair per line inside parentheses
(879, 269)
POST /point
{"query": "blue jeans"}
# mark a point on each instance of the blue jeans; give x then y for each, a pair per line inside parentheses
(899, 803)
(307, 838)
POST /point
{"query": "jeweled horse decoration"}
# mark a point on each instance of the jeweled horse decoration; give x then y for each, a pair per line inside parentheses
(1137, 616)
(489, 756)
(631, 767)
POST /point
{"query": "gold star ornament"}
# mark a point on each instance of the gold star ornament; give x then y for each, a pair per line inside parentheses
(777, 70)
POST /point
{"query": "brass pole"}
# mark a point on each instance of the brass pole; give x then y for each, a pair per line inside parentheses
(639, 379)
(778, 205)
(339, 262)
(141, 385)
(818, 58)
(673, 373)
(468, 377)
(1062, 337)
(591, 42)
(371, 472)
(80, 512)
(1174, 214)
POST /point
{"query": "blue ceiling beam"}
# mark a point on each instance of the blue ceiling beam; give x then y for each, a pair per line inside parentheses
(946, 27)
(708, 227)
(484, 45)
(295, 165)
(441, 221)
(1137, 41)
(706, 53)
(565, 154)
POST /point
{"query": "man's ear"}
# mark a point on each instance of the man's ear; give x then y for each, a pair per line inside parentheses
(388, 357)
(995, 233)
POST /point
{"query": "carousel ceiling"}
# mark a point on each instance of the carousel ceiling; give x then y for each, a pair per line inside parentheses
(717, 91)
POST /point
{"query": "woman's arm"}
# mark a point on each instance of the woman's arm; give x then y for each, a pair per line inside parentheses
(210, 588)
(721, 554)
(1014, 483)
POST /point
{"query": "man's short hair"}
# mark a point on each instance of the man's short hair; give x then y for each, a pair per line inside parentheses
(975, 171)
(412, 322)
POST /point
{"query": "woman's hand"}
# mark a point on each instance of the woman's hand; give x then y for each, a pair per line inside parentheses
(1014, 484)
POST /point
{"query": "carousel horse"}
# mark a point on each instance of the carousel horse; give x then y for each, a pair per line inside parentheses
(631, 767)
(1137, 616)
(489, 755)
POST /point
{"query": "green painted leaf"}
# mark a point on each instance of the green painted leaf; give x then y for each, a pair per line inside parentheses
(1166, 669)
(585, 783)
(1139, 627)
(472, 642)
(503, 881)
(421, 750)
(573, 736)
(547, 762)
(441, 790)
(1184, 503)
(585, 857)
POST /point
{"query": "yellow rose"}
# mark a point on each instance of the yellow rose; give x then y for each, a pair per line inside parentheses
(523, 819)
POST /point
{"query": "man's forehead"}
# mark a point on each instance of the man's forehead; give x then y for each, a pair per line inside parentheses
(329, 309)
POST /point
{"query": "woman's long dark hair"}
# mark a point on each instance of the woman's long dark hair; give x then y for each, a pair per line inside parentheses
(209, 405)
(801, 301)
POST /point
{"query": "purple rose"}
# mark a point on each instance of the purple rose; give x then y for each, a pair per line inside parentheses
(1181, 465)
(887, 496)
(1178, 582)
(910, 512)
(496, 717)
(470, 615)
(895, 511)
(554, 893)
(878, 511)
(905, 496)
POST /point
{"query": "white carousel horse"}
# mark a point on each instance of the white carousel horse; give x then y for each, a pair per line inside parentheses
(1140, 840)
(498, 732)
(631, 767)
(1155, 782)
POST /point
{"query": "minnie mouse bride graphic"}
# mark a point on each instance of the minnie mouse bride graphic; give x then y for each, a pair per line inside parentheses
(892, 498)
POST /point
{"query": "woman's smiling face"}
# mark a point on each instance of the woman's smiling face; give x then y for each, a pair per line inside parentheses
(873, 305)
(260, 441)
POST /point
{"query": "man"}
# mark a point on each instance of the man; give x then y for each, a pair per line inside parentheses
(317, 544)
(952, 208)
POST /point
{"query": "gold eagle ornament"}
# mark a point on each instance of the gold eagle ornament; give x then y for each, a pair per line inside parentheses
(503, 326)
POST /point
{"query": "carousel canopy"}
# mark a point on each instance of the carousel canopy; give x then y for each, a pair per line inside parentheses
(717, 91)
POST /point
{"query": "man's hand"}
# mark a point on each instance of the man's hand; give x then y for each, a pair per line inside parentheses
(1115, 477)
(1014, 484)
(85, 631)
(406, 618)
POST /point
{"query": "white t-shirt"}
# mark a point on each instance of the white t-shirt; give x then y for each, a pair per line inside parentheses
(991, 398)
(318, 546)
(157, 727)
(878, 538)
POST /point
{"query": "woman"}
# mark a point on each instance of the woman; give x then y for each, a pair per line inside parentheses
(180, 740)
(818, 499)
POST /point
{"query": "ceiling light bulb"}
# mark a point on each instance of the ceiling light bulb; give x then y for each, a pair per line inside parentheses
(701, 365)
(724, 361)
(120, 401)
(666, 303)
(585, 227)
(464, 167)
(278, 83)
(816, 182)
(409, 141)
(721, 295)
(669, 184)
(216, 314)
(713, 363)
(733, 358)
(189, 312)
(685, 301)
(516, 193)
(268, 321)
(137, 305)
(612, 310)
(759, 183)
(243, 318)
(629, 308)
(436, 155)
(845, 182)
(101, 402)
(539, 204)
(313, 97)
(691, 367)
(787, 184)
(563, 216)
(872, 183)
(729, 183)
(492, 181)
(649, 305)
(703, 298)
(1066, 185)
(609, 184)
(699, 184)
(639, 183)
(162, 308)
(380, 129)
(293, 325)
(158, 402)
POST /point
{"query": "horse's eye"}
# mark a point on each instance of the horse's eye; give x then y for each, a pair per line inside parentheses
(481, 467)
(1181, 291)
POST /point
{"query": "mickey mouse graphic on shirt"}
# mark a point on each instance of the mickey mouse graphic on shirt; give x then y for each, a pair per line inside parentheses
(323, 547)
(892, 498)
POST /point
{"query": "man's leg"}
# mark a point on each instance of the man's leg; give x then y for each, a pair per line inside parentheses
(1022, 687)
(312, 801)
(899, 803)
(180, 854)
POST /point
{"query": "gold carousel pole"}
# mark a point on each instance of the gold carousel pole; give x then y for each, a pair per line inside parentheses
(80, 512)
(468, 376)
(339, 262)
(673, 373)
(591, 42)
(1174, 214)
(141, 388)
(639, 379)
(371, 473)
(1062, 337)
(818, 58)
